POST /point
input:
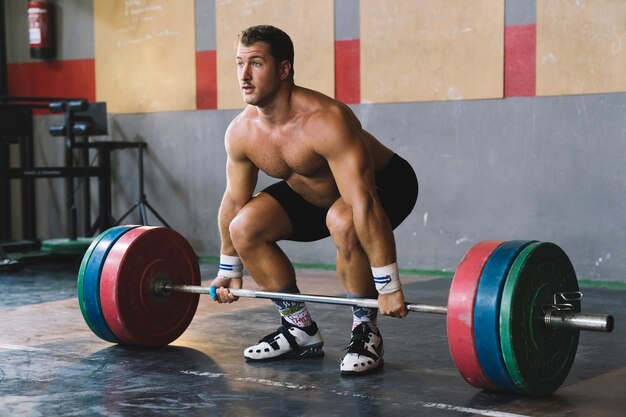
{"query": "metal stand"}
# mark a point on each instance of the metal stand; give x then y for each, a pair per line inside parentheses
(142, 202)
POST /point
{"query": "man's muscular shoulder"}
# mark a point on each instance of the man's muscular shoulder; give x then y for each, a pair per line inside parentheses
(240, 124)
(324, 116)
(237, 132)
(320, 104)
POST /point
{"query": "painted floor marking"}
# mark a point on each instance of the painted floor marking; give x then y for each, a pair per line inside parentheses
(7, 346)
(467, 410)
(440, 406)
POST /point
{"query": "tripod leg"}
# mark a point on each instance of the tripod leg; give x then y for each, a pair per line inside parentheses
(142, 211)
(142, 203)
(127, 213)
(156, 214)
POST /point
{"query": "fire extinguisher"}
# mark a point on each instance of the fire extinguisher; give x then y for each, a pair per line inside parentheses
(41, 29)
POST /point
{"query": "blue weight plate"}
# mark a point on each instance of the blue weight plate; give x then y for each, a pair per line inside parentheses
(91, 283)
(487, 314)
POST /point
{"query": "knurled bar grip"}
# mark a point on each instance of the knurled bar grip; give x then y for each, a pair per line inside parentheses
(558, 319)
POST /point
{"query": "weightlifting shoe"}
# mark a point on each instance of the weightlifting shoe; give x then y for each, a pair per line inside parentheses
(364, 353)
(288, 341)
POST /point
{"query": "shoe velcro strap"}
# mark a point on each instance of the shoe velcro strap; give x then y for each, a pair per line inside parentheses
(358, 347)
(270, 339)
(292, 340)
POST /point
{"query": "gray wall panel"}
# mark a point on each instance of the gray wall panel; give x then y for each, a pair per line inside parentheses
(541, 168)
(205, 25)
(16, 31)
(347, 20)
(75, 29)
(520, 12)
(184, 170)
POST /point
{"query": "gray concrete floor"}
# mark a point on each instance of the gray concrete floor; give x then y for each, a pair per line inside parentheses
(52, 365)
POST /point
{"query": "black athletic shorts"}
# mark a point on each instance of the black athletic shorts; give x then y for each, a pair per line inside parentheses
(397, 190)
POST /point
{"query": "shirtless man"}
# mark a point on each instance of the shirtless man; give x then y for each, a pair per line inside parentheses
(336, 179)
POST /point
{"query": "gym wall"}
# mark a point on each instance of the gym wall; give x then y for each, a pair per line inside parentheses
(512, 113)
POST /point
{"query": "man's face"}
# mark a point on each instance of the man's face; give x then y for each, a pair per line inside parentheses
(257, 72)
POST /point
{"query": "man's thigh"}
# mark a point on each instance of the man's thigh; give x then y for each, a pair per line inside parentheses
(264, 218)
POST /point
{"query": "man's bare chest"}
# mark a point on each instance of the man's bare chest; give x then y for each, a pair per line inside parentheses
(284, 158)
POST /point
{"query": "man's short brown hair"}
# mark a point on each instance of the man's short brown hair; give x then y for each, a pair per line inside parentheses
(281, 47)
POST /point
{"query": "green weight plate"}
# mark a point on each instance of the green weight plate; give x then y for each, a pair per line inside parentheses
(81, 279)
(537, 358)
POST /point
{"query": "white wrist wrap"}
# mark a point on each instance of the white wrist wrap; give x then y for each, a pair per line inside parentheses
(230, 267)
(387, 278)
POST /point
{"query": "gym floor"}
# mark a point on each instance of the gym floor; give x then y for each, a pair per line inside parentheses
(52, 365)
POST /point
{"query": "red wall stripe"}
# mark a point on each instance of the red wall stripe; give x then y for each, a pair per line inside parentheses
(206, 80)
(348, 71)
(520, 48)
(69, 78)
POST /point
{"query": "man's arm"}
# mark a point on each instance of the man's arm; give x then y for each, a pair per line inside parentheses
(241, 178)
(347, 154)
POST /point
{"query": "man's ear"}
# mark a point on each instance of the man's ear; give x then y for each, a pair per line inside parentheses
(285, 69)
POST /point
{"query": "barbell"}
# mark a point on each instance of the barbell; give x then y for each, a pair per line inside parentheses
(513, 312)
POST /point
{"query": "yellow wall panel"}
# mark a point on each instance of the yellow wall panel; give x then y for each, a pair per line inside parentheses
(423, 50)
(145, 55)
(310, 24)
(581, 46)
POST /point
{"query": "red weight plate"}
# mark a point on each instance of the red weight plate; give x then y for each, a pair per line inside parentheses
(460, 315)
(134, 313)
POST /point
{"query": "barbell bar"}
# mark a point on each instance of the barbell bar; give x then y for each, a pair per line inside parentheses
(554, 317)
(512, 316)
(313, 298)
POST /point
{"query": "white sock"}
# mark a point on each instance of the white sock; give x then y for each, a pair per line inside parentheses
(294, 312)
